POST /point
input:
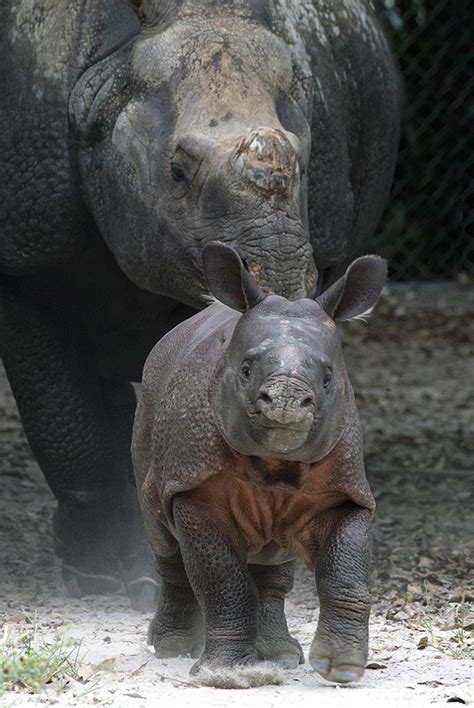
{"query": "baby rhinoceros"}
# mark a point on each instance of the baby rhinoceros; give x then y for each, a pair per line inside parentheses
(248, 454)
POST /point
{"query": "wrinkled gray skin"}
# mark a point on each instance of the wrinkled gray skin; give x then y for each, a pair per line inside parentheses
(248, 453)
(126, 144)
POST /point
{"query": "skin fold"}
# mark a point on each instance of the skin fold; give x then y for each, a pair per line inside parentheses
(248, 453)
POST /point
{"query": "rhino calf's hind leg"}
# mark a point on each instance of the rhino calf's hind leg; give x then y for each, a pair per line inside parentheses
(222, 584)
(177, 628)
(342, 567)
(274, 642)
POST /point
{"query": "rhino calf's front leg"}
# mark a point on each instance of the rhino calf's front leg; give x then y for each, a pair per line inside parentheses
(342, 569)
(274, 642)
(222, 585)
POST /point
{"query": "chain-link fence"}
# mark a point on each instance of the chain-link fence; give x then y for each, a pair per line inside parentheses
(428, 231)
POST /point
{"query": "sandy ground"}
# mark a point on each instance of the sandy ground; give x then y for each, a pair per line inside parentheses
(412, 369)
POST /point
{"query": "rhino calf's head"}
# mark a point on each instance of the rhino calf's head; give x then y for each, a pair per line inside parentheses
(283, 390)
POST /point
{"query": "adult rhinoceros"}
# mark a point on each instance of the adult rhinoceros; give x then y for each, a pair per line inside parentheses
(131, 135)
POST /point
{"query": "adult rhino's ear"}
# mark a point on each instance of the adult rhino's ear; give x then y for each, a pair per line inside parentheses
(356, 292)
(227, 278)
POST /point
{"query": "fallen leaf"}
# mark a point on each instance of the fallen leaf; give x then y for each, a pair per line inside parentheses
(133, 694)
(175, 681)
(423, 643)
(461, 594)
(375, 665)
(466, 697)
(106, 665)
(88, 670)
(15, 617)
(139, 668)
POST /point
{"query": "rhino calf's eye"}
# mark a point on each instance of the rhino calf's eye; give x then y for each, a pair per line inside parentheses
(327, 379)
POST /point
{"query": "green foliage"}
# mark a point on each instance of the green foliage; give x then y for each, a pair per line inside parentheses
(456, 643)
(29, 663)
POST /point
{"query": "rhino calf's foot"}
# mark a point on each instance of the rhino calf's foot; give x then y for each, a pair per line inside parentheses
(274, 642)
(340, 647)
(221, 583)
(339, 654)
(176, 629)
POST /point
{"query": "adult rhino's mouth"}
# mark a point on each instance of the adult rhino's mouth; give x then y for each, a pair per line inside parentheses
(281, 273)
(278, 256)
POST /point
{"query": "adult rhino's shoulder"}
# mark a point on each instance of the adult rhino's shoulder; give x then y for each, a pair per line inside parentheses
(45, 46)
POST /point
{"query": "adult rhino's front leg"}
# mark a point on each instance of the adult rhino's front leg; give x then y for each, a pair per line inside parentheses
(342, 568)
(222, 585)
(79, 429)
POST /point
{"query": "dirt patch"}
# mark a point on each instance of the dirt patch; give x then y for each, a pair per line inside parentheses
(412, 369)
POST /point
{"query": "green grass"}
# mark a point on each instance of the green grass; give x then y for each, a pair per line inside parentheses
(457, 643)
(29, 663)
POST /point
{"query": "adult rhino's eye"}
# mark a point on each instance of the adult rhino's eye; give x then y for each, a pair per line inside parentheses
(177, 173)
(327, 379)
(245, 369)
(183, 169)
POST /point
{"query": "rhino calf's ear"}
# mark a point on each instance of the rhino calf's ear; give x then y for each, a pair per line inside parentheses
(357, 290)
(227, 278)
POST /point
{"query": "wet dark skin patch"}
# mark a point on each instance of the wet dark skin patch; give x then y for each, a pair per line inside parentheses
(223, 119)
(216, 59)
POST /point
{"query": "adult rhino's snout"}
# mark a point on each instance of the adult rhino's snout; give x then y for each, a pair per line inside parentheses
(286, 402)
(267, 160)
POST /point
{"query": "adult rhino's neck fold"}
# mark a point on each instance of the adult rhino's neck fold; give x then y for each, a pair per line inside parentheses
(97, 84)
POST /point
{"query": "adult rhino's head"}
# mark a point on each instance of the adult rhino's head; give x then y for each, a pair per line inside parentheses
(189, 136)
(282, 390)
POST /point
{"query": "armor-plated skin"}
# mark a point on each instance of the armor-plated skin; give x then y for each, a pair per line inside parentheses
(129, 138)
(248, 453)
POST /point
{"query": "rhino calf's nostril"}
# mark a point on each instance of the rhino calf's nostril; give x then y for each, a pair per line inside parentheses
(306, 402)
